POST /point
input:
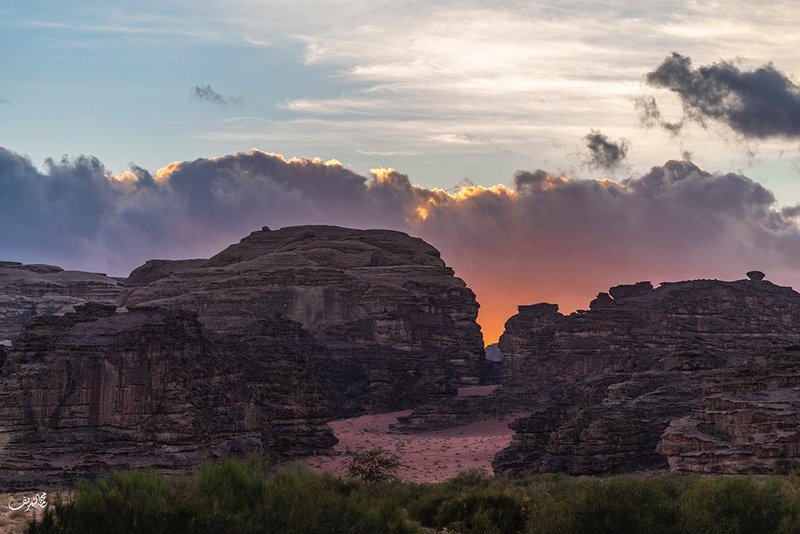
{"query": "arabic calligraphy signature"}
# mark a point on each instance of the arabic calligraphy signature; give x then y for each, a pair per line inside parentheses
(39, 500)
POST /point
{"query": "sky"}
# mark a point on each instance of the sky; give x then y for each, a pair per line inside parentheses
(527, 142)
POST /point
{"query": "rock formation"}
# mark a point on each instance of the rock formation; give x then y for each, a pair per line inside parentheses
(95, 390)
(748, 421)
(254, 349)
(397, 326)
(30, 290)
(603, 385)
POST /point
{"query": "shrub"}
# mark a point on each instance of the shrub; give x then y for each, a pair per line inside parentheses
(471, 478)
(128, 501)
(373, 465)
(735, 505)
(231, 497)
(481, 512)
(248, 497)
(626, 504)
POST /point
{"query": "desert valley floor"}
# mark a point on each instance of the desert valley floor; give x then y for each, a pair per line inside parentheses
(431, 456)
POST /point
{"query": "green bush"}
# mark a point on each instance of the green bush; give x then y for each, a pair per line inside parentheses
(248, 497)
(128, 501)
(736, 505)
(631, 505)
(481, 512)
(229, 497)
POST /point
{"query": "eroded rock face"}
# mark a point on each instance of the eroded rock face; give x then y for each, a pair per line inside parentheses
(603, 385)
(96, 390)
(30, 290)
(748, 420)
(253, 350)
(397, 326)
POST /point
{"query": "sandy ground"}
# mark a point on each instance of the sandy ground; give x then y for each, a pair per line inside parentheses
(426, 456)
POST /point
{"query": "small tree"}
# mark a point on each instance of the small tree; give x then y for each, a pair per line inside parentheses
(373, 465)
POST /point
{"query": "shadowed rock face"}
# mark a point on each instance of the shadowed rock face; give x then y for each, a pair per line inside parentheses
(30, 290)
(748, 420)
(253, 350)
(396, 325)
(96, 390)
(603, 385)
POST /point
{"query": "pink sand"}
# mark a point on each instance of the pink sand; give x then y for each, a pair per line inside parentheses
(427, 456)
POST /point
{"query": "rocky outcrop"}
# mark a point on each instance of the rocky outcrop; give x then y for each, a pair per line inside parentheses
(748, 422)
(448, 412)
(252, 350)
(30, 290)
(397, 327)
(96, 390)
(601, 386)
(470, 405)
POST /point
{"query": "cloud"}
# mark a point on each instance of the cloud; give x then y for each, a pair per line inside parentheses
(424, 70)
(543, 237)
(4, 101)
(760, 103)
(603, 153)
(650, 115)
(207, 94)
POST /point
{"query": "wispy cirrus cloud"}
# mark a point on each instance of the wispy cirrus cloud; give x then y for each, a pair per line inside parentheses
(532, 74)
(455, 67)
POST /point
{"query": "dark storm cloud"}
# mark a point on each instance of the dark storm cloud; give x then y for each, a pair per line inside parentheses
(603, 153)
(547, 237)
(240, 191)
(76, 212)
(207, 94)
(758, 103)
(73, 209)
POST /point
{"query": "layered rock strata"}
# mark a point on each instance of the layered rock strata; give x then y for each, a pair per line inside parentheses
(252, 350)
(397, 327)
(603, 385)
(748, 420)
(30, 290)
(96, 390)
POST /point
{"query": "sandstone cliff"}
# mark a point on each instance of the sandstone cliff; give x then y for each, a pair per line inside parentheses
(397, 326)
(30, 290)
(603, 385)
(252, 350)
(748, 420)
(95, 390)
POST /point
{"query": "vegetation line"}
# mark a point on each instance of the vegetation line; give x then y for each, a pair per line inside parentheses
(248, 496)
